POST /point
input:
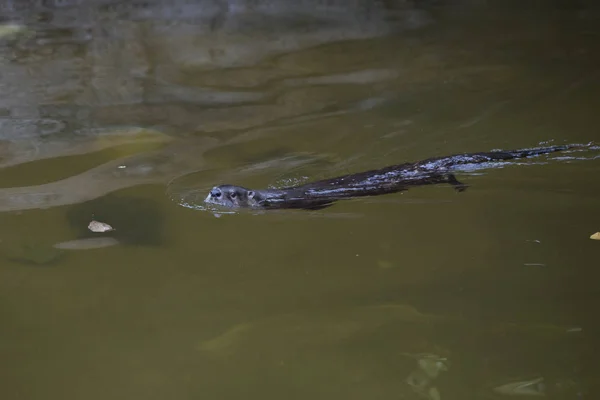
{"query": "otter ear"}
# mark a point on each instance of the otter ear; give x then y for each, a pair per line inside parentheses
(251, 194)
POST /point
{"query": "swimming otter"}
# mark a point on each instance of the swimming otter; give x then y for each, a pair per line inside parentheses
(395, 178)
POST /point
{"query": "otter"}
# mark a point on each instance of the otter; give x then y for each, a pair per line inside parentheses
(396, 178)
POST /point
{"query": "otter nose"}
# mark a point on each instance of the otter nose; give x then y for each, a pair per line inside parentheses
(215, 192)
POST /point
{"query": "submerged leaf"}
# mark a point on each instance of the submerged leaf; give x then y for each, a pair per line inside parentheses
(226, 342)
(86, 244)
(32, 253)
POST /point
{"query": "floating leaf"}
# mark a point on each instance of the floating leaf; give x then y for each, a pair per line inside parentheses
(595, 236)
(96, 226)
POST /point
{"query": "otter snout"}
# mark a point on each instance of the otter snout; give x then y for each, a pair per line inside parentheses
(214, 195)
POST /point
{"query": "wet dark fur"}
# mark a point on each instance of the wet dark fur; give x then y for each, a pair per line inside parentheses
(392, 179)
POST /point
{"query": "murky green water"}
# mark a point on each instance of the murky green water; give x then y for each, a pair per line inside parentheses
(124, 111)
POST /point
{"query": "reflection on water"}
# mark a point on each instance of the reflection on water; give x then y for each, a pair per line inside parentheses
(125, 112)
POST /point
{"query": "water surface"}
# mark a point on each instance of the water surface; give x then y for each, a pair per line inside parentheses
(128, 112)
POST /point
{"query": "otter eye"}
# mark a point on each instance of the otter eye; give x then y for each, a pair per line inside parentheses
(233, 195)
(251, 194)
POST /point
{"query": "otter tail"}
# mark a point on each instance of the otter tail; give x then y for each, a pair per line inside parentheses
(500, 155)
(436, 164)
(523, 153)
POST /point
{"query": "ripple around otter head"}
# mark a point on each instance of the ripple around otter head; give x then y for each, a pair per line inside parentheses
(190, 190)
(194, 199)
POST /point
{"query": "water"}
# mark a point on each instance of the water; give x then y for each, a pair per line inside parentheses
(126, 112)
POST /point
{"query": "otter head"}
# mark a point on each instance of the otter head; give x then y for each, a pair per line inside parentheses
(231, 196)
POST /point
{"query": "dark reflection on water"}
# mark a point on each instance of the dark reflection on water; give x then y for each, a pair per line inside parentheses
(128, 111)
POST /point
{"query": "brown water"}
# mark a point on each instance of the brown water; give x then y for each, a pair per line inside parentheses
(128, 112)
